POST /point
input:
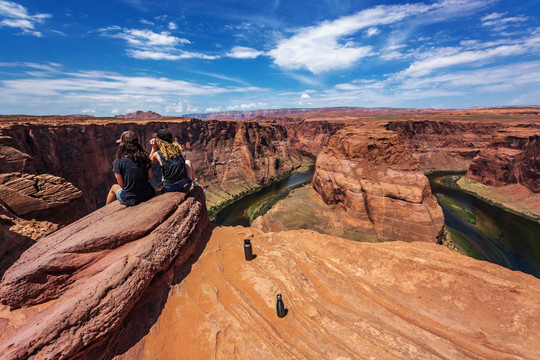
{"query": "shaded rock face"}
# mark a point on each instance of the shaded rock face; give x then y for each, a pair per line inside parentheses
(228, 156)
(73, 293)
(512, 157)
(42, 197)
(445, 145)
(371, 176)
(312, 136)
(345, 300)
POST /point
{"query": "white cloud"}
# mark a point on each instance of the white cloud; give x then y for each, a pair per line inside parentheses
(114, 111)
(305, 96)
(147, 22)
(172, 26)
(181, 107)
(160, 55)
(248, 106)
(499, 22)
(213, 109)
(17, 16)
(372, 31)
(146, 44)
(327, 46)
(447, 57)
(88, 111)
(241, 52)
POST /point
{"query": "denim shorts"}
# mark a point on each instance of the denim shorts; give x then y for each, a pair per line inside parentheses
(119, 196)
(182, 186)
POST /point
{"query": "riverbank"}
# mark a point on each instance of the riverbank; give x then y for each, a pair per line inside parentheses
(214, 210)
(513, 198)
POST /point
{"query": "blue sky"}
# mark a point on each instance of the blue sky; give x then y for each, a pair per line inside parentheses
(175, 57)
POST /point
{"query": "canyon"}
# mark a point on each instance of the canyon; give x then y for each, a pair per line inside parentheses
(126, 282)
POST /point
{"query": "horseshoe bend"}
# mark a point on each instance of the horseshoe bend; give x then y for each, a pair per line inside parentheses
(357, 254)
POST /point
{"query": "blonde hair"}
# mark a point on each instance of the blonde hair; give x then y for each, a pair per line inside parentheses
(169, 150)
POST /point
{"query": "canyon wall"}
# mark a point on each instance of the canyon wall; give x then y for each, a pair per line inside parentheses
(512, 157)
(445, 144)
(371, 177)
(228, 156)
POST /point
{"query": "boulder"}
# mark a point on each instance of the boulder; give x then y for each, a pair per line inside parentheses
(72, 291)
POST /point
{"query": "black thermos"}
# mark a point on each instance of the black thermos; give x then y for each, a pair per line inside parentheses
(248, 252)
(280, 308)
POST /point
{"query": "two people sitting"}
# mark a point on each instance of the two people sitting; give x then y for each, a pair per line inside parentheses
(132, 168)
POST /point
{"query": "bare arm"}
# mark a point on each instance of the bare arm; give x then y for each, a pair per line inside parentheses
(119, 180)
(154, 157)
(149, 173)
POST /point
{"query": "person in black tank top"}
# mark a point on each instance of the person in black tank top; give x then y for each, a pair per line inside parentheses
(178, 174)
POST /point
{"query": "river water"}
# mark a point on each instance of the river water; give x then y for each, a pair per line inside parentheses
(499, 236)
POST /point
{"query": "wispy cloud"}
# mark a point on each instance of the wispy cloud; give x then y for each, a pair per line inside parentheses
(241, 52)
(328, 46)
(147, 44)
(447, 57)
(17, 16)
(104, 91)
(498, 21)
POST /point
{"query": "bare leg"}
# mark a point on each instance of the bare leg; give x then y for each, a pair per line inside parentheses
(111, 196)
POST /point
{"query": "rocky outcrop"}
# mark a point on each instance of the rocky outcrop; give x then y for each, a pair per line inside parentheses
(345, 300)
(512, 157)
(373, 179)
(445, 144)
(73, 293)
(17, 235)
(42, 197)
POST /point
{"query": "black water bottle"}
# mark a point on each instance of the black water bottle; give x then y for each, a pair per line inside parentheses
(280, 307)
(248, 252)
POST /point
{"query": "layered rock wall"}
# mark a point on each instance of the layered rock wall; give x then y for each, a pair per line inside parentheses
(512, 157)
(228, 156)
(370, 175)
(444, 144)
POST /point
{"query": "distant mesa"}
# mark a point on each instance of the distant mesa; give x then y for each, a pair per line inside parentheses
(140, 115)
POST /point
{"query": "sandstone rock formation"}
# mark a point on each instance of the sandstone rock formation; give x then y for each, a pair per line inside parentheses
(73, 292)
(17, 235)
(445, 144)
(374, 180)
(345, 300)
(228, 156)
(512, 157)
(42, 197)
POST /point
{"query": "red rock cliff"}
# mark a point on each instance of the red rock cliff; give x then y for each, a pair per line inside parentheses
(228, 156)
(372, 177)
(512, 157)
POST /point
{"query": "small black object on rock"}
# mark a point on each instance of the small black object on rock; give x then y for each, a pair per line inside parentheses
(280, 307)
(248, 251)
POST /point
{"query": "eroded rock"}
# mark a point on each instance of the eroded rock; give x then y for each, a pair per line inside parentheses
(374, 180)
(345, 300)
(76, 287)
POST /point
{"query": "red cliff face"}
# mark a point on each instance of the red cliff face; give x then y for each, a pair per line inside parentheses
(445, 145)
(372, 177)
(512, 157)
(228, 156)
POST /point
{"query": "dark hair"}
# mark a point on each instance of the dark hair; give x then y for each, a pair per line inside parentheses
(165, 135)
(134, 151)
